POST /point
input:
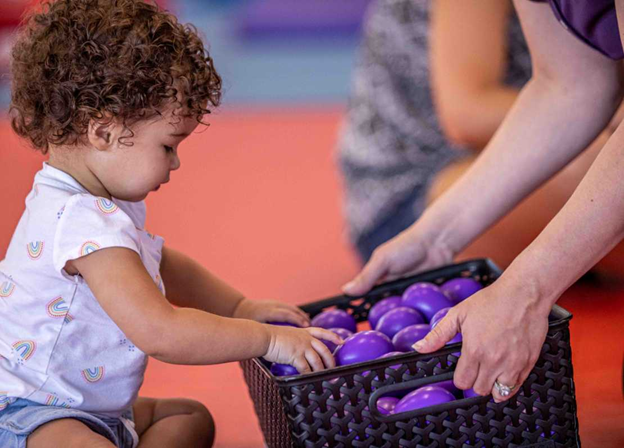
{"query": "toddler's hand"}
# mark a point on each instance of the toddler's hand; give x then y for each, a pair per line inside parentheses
(271, 311)
(300, 348)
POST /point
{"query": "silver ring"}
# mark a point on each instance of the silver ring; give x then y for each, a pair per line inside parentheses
(503, 389)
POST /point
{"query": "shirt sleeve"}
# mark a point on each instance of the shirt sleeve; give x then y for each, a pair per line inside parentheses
(90, 223)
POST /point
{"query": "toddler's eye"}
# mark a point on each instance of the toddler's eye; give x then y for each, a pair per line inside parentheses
(168, 148)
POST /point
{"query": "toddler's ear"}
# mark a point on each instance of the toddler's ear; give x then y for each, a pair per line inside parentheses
(101, 135)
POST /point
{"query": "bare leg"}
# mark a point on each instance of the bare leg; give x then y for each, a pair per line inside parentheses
(68, 433)
(175, 423)
(506, 239)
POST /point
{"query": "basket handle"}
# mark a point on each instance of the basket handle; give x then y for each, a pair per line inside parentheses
(414, 384)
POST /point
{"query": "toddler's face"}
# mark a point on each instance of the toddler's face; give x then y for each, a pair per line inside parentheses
(131, 172)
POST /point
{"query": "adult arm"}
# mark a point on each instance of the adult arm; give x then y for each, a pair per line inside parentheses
(505, 324)
(570, 99)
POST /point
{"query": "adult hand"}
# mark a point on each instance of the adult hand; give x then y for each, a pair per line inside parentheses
(405, 254)
(503, 328)
(271, 311)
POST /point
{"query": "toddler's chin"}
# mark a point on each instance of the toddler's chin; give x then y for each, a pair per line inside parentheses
(137, 197)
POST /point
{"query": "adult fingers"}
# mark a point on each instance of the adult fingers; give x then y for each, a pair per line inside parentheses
(509, 384)
(443, 332)
(524, 374)
(466, 372)
(375, 269)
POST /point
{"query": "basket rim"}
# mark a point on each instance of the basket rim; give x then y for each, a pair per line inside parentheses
(560, 314)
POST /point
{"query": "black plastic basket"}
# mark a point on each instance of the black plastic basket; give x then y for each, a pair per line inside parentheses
(337, 407)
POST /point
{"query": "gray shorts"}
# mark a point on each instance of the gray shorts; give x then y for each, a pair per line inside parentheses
(23, 417)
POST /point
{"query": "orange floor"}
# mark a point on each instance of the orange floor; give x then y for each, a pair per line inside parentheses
(257, 200)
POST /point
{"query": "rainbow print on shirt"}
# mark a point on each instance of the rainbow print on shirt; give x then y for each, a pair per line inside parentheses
(58, 308)
(106, 206)
(4, 400)
(88, 247)
(53, 400)
(24, 349)
(6, 289)
(93, 375)
(35, 249)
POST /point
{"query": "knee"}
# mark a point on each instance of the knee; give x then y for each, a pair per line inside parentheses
(203, 418)
(195, 407)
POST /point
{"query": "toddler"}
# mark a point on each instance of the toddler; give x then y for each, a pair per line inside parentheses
(109, 89)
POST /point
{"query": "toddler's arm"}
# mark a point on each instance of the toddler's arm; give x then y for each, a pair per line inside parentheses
(127, 293)
(190, 285)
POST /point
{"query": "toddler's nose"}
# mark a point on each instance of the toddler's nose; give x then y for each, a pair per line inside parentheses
(175, 162)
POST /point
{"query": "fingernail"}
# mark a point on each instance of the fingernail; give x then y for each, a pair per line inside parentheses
(348, 286)
(419, 345)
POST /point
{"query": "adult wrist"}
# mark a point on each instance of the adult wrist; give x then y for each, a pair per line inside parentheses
(527, 279)
(436, 230)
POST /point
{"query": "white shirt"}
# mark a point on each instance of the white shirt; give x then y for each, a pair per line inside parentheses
(57, 345)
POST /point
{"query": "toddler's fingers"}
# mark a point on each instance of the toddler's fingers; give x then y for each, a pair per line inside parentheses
(301, 364)
(303, 314)
(299, 312)
(323, 351)
(321, 333)
(288, 315)
(314, 360)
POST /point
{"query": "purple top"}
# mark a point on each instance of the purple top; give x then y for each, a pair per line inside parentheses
(592, 21)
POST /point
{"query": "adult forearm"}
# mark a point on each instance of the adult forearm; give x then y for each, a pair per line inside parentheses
(586, 229)
(198, 338)
(547, 127)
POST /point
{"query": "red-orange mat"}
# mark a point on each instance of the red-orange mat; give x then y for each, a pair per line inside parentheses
(257, 201)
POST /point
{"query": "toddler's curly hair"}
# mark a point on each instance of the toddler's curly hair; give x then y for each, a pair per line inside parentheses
(77, 61)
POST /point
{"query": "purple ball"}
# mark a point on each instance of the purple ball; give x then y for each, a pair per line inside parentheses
(386, 405)
(283, 370)
(437, 317)
(408, 336)
(342, 332)
(397, 319)
(334, 318)
(426, 298)
(381, 308)
(363, 346)
(448, 385)
(422, 398)
(459, 289)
